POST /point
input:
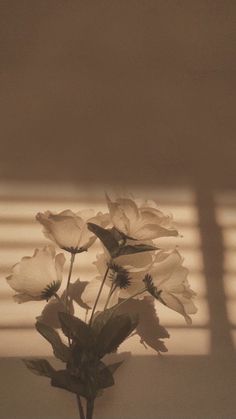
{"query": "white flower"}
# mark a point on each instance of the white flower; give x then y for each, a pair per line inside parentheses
(69, 230)
(143, 222)
(125, 278)
(37, 277)
(168, 282)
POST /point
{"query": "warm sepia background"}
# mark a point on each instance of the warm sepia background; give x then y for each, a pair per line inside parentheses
(139, 95)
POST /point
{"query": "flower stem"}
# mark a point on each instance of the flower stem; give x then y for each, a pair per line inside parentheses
(112, 290)
(67, 303)
(99, 293)
(81, 410)
(90, 407)
(86, 315)
(68, 281)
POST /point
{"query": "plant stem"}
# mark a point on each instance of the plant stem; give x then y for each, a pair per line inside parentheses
(86, 315)
(67, 302)
(68, 281)
(90, 407)
(112, 290)
(99, 293)
(81, 410)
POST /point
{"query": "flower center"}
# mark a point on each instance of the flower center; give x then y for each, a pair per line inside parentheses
(50, 290)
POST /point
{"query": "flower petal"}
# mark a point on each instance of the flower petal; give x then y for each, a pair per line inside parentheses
(177, 282)
(32, 275)
(118, 216)
(137, 260)
(165, 264)
(23, 298)
(59, 264)
(154, 231)
(63, 228)
(175, 304)
(129, 207)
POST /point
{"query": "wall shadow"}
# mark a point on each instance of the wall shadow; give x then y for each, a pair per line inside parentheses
(213, 257)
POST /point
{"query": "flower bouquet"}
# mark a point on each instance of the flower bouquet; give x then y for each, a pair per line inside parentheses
(132, 266)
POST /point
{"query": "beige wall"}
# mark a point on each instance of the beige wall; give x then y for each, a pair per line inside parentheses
(139, 94)
(110, 90)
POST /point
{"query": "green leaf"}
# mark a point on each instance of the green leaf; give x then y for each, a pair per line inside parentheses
(101, 318)
(120, 236)
(63, 379)
(114, 332)
(107, 238)
(138, 248)
(115, 241)
(105, 378)
(89, 382)
(77, 329)
(134, 318)
(39, 367)
(60, 350)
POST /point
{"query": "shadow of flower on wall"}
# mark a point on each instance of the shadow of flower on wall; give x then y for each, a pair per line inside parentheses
(149, 329)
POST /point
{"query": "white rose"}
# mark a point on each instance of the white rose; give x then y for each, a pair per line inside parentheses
(37, 277)
(143, 222)
(69, 230)
(168, 282)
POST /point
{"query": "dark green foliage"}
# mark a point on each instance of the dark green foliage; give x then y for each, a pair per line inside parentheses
(107, 238)
(85, 374)
(76, 329)
(101, 318)
(137, 248)
(63, 379)
(88, 384)
(115, 330)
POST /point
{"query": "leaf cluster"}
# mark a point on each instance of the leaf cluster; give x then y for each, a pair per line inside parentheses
(85, 373)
